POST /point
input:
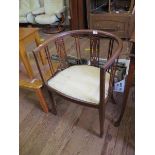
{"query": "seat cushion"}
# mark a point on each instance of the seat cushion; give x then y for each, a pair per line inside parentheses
(53, 6)
(23, 20)
(45, 19)
(24, 7)
(34, 4)
(30, 18)
(38, 11)
(80, 82)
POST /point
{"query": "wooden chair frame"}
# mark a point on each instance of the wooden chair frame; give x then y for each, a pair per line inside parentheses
(112, 58)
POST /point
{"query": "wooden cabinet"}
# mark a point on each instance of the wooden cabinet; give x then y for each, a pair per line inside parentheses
(78, 14)
(116, 16)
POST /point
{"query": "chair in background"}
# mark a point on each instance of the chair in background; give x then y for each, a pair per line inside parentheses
(25, 10)
(29, 77)
(50, 14)
(85, 84)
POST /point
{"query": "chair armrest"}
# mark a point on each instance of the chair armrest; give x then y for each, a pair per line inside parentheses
(33, 84)
(61, 10)
(39, 11)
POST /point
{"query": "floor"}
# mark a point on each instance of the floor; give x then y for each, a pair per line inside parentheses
(75, 130)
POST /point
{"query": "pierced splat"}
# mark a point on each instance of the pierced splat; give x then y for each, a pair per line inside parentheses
(60, 46)
(111, 43)
(112, 72)
(94, 50)
(78, 51)
(49, 59)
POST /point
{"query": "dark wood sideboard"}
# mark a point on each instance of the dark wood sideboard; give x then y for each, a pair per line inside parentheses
(116, 16)
(78, 13)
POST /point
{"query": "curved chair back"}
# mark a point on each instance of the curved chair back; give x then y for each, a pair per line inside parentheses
(91, 46)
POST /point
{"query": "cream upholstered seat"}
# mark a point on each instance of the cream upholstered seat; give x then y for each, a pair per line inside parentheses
(80, 82)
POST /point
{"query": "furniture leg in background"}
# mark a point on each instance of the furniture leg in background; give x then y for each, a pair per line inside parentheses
(36, 86)
(28, 35)
(129, 81)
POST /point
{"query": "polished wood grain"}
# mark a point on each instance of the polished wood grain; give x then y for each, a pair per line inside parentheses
(27, 35)
(78, 14)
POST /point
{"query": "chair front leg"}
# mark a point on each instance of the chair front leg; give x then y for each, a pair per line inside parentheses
(54, 111)
(101, 119)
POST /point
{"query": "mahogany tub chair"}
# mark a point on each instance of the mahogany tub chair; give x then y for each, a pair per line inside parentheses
(89, 84)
